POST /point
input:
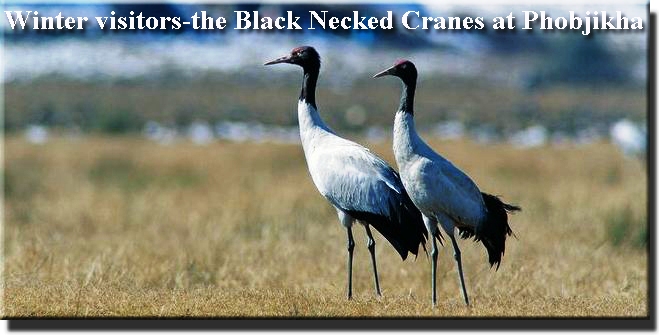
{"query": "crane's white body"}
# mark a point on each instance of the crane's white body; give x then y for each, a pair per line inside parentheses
(441, 191)
(347, 174)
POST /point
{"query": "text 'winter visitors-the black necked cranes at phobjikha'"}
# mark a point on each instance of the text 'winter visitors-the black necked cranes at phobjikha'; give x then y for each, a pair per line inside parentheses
(441, 191)
(360, 185)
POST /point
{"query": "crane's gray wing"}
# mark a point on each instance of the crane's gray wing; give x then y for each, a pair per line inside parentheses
(453, 192)
(352, 178)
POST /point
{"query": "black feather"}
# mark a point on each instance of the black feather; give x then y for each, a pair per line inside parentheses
(404, 228)
(493, 231)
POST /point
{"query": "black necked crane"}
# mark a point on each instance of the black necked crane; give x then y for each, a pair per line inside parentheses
(442, 192)
(359, 184)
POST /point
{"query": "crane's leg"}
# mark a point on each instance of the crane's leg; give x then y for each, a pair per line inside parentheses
(351, 247)
(433, 254)
(371, 249)
(431, 226)
(458, 260)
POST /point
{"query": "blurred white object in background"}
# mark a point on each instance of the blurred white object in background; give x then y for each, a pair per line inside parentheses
(484, 134)
(36, 134)
(158, 133)
(200, 133)
(232, 131)
(629, 137)
(257, 132)
(449, 130)
(530, 137)
(376, 134)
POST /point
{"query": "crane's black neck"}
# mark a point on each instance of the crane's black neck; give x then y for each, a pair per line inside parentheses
(308, 93)
(407, 98)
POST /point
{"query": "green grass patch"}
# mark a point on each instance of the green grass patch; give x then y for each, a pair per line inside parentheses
(626, 228)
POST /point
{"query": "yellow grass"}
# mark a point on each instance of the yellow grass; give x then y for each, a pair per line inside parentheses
(125, 227)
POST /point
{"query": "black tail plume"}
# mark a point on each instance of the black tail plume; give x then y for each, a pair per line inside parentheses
(404, 228)
(493, 231)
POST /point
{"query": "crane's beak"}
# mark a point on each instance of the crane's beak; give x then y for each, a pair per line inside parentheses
(387, 72)
(285, 59)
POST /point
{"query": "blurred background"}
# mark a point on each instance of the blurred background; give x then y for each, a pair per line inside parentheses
(529, 89)
(159, 173)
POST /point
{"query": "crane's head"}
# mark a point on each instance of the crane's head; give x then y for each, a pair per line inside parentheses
(305, 56)
(403, 69)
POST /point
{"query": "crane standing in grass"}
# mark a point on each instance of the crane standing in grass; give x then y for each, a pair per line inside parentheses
(360, 185)
(441, 191)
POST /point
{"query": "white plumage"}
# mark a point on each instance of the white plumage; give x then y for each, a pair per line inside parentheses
(347, 174)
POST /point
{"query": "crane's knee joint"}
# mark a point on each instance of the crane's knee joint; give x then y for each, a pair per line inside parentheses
(371, 244)
(434, 253)
(351, 246)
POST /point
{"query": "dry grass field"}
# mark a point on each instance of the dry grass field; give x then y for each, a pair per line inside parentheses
(99, 226)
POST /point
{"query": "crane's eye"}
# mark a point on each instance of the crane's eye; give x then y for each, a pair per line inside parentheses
(403, 66)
